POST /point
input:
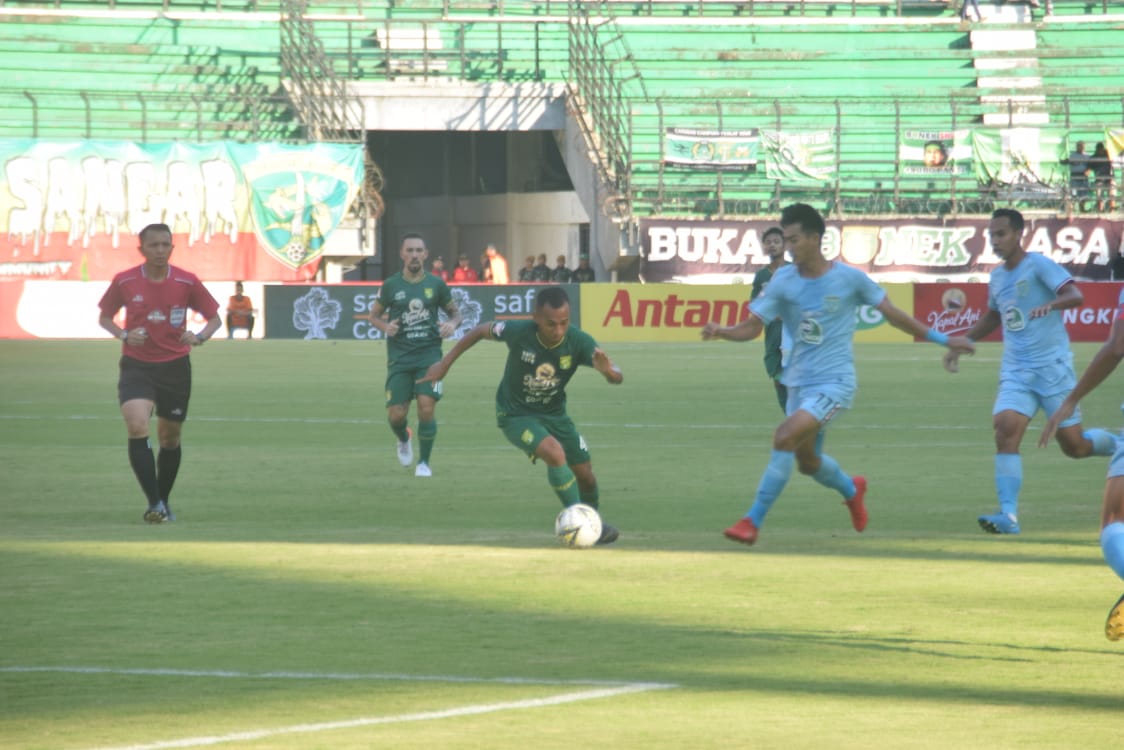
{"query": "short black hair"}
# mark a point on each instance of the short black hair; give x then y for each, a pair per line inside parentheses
(773, 230)
(553, 297)
(154, 228)
(1012, 216)
(807, 217)
(411, 236)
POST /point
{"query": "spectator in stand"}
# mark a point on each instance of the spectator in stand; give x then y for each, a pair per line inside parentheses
(1104, 186)
(583, 273)
(239, 313)
(560, 274)
(541, 271)
(439, 269)
(464, 273)
(1078, 162)
(485, 268)
(525, 273)
(497, 264)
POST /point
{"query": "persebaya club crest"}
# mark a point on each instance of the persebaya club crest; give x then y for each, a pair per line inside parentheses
(297, 198)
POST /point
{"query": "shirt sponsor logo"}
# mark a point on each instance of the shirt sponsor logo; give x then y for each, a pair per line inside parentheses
(156, 316)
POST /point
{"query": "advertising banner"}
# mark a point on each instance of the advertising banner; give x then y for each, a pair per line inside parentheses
(71, 209)
(675, 312)
(954, 308)
(340, 311)
(711, 149)
(892, 250)
(69, 309)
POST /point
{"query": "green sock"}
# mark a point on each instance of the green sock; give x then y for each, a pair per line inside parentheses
(427, 433)
(564, 484)
(400, 430)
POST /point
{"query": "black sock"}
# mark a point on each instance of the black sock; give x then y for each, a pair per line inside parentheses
(167, 466)
(144, 466)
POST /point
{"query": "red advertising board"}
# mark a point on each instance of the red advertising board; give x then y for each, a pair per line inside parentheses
(955, 308)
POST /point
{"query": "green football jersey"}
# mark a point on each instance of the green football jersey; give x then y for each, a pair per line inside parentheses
(415, 305)
(535, 376)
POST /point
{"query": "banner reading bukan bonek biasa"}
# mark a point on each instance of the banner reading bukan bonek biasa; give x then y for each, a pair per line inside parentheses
(71, 210)
(717, 252)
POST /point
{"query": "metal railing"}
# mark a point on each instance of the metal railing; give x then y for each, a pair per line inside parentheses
(870, 176)
(146, 116)
(327, 110)
(603, 82)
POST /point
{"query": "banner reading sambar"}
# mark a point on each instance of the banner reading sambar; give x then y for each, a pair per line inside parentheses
(71, 209)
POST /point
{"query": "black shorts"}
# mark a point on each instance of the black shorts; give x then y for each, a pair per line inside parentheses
(167, 384)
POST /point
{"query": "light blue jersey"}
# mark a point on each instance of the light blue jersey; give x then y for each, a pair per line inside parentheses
(819, 314)
(1028, 343)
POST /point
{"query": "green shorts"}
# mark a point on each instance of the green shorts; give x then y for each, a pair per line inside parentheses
(402, 379)
(525, 433)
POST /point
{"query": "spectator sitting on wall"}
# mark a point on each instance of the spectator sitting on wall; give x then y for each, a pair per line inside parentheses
(541, 271)
(497, 264)
(583, 273)
(560, 274)
(485, 268)
(527, 269)
(464, 273)
(439, 269)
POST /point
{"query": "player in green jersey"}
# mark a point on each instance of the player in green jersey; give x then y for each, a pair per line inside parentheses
(407, 312)
(542, 355)
(773, 243)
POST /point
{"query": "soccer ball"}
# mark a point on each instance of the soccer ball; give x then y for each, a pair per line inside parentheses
(578, 526)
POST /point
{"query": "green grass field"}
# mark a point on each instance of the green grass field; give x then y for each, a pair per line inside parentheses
(314, 594)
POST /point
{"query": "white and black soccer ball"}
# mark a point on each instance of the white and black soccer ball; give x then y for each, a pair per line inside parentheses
(578, 526)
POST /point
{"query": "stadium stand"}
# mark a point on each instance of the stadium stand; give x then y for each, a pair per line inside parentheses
(862, 70)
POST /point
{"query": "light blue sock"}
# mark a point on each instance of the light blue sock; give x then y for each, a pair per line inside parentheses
(1112, 545)
(1104, 442)
(1008, 481)
(772, 483)
(830, 475)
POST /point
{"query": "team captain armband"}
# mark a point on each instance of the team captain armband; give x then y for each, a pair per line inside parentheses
(937, 337)
(497, 329)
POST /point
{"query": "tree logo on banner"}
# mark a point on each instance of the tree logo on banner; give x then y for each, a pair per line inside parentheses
(297, 198)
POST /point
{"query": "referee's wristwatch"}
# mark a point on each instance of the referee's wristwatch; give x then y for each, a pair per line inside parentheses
(124, 335)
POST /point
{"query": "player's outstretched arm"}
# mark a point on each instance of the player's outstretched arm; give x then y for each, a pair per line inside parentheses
(1103, 364)
(605, 366)
(1067, 297)
(746, 330)
(903, 321)
(440, 368)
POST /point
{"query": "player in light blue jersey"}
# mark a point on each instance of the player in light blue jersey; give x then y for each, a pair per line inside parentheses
(1026, 296)
(816, 300)
(1112, 513)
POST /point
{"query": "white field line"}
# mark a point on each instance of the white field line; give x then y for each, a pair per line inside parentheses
(626, 425)
(608, 690)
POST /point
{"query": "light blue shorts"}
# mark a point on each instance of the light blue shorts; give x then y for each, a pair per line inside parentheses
(824, 402)
(1116, 465)
(1029, 390)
